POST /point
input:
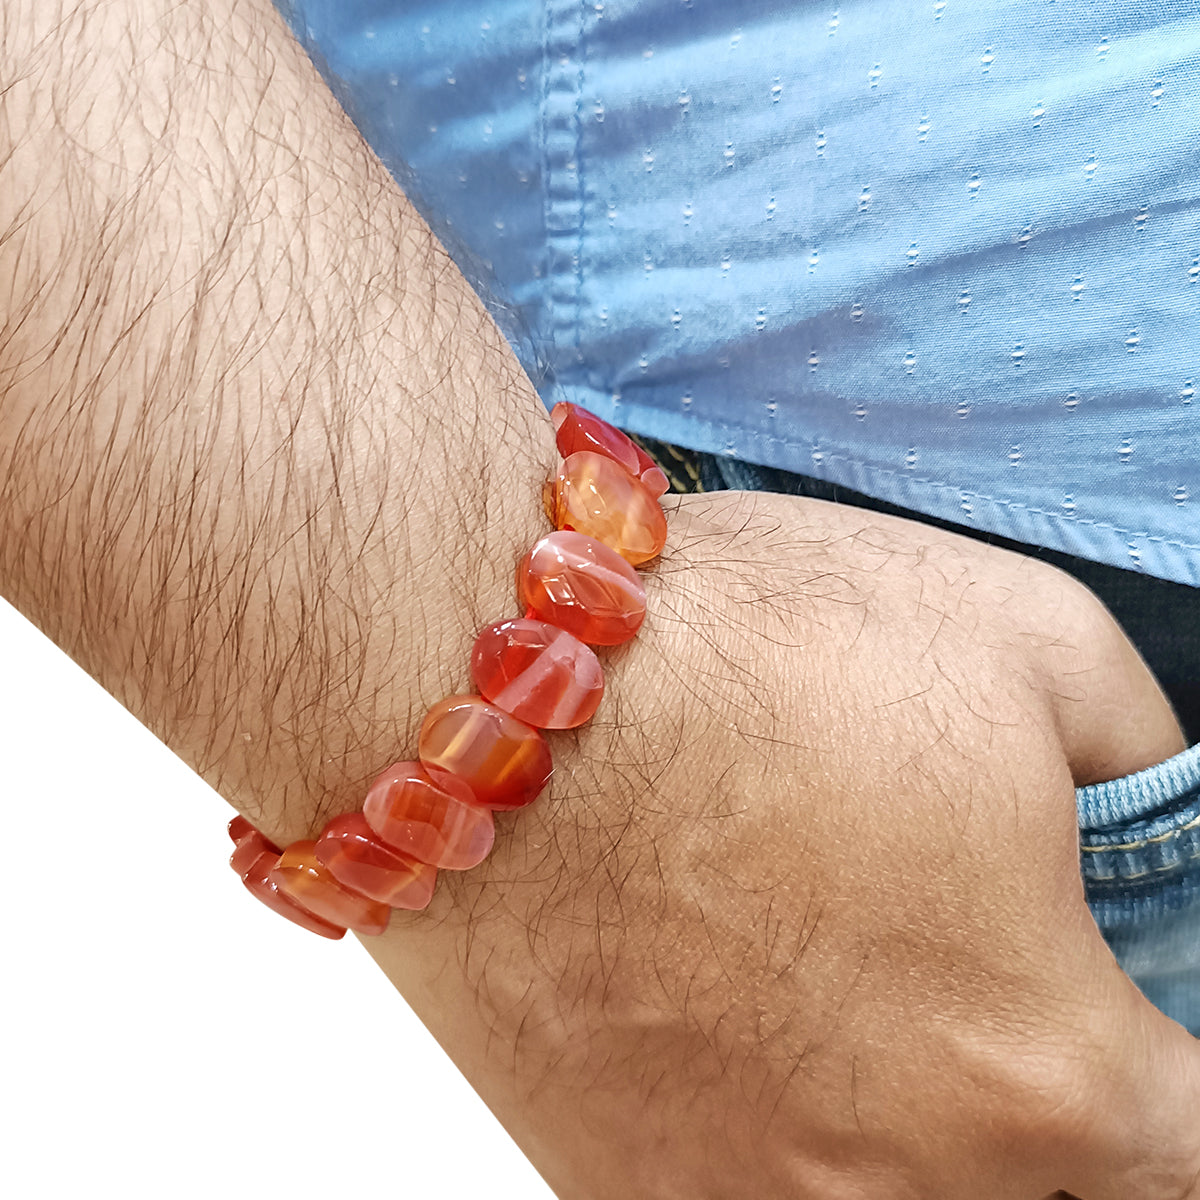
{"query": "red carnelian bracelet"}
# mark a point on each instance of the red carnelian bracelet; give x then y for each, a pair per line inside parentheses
(481, 754)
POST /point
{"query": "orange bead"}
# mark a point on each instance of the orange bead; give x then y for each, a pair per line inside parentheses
(254, 858)
(540, 674)
(594, 495)
(577, 429)
(580, 585)
(429, 815)
(301, 878)
(349, 848)
(503, 761)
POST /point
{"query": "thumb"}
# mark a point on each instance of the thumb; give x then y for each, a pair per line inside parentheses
(1112, 715)
(1140, 1119)
(1140, 1108)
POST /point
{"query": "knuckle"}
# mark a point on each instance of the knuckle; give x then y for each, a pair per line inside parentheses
(1063, 1101)
(1072, 605)
(1042, 1096)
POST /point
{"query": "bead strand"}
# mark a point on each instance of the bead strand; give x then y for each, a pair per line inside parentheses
(480, 754)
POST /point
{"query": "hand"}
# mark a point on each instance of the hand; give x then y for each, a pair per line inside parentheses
(803, 915)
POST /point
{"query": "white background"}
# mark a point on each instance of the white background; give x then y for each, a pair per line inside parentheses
(167, 1036)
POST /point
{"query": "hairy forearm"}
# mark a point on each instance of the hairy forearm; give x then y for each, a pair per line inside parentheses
(266, 467)
(265, 463)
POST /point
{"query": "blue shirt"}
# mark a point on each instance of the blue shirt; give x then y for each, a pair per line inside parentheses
(946, 253)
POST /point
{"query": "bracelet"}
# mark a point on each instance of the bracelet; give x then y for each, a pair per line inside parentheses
(481, 754)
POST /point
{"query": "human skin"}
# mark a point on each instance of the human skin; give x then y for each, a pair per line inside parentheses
(801, 914)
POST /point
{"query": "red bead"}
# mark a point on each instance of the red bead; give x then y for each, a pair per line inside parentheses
(649, 472)
(655, 479)
(301, 878)
(503, 761)
(429, 815)
(578, 429)
(254, 859)
(239, 827)
(540, 674)
(580, 585)
(349, 848)
(593, 495)
(248, 851)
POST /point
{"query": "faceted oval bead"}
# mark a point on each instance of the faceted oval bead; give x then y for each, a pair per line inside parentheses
(248, 849)
(503, 761)
(540, 674)
(254, 858)
(239, 827)
(594, 495)
(301, 878)
(580, 585)
(577, 429)
(654, 478)
(355, 856)
(429, 815)
(649, 472)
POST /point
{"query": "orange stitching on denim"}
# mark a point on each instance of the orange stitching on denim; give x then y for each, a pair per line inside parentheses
(1159, 837)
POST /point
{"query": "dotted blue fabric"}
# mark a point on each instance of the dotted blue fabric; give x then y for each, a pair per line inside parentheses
(945, 252)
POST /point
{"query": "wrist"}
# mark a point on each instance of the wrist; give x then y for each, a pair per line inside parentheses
(265, 462)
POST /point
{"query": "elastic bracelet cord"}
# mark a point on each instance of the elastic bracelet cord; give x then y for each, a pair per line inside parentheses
(483, 753)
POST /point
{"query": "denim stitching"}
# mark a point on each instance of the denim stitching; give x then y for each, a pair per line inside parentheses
(1142, 843)
(1127, 875)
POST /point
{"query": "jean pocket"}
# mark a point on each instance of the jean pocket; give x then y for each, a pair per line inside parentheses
(1139, 843)
(1139, 840)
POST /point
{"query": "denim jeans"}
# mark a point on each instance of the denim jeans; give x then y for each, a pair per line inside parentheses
(1140, 850)
(1139, 836)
